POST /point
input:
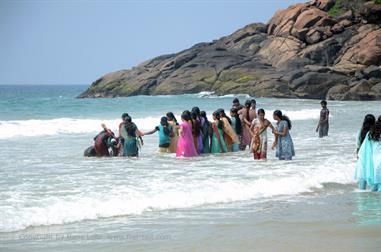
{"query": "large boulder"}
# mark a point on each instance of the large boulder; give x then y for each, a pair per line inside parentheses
(282, 17)
(324, 5)
(309, 18)
(371, 12)
(278, 50)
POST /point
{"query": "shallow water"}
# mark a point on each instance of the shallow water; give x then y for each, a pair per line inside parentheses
(47, 187)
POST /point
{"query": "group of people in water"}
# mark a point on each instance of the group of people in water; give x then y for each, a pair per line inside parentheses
(246, 127)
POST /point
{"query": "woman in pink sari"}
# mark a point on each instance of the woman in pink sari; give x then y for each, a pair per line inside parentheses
(185, 144)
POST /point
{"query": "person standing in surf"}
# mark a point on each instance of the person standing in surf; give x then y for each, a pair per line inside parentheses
(367, 124)
(165, 134)
(259, 129)
(230, 137)
(206, 133)
(218, 144)
(197, 122)
(131, 142)
(175, 128)
(368, 167)
(185, 144)
(122, 134)
(246, 118)
(237, 127)
(323, 124)
(236, 104)
(283, 141)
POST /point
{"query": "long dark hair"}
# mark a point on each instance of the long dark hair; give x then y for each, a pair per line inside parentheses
(247, 106)
(130, 126)
(220, 123)
(196, 126)
(282, 117)
(375, 131)
(222, 114)
(369, 121)
(172, 117)
(238, 123)
(203, 114)
(186, 116)
(164, 123)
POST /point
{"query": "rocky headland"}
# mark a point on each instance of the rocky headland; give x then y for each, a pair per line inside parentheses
(322, 49)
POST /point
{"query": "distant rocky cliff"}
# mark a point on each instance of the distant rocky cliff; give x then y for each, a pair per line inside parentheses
(320, 49)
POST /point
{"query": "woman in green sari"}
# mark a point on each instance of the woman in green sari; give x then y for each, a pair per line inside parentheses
(218, 144)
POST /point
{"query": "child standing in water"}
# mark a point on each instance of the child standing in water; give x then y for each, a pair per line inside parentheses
(283, 141)
(185, 145)
(175, 128)
(368, 167)
(259, 129)
(218, 144)
(165, 134)
(323, 125)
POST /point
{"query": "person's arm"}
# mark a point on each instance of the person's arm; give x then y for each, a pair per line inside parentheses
(269, 124)
(120, 130)
(139, 134)
(283, 133)
(181, 131)
(246, 122)
(275, 142)
(150, 132)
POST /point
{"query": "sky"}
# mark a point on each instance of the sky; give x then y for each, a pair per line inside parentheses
(76, 42)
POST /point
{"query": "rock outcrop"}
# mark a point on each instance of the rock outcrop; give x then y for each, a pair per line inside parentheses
(320, 49)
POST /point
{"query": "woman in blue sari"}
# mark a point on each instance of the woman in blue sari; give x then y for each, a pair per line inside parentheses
(283, 141)
(368, 167)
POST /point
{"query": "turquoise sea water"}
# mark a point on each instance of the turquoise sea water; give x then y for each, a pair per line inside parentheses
(47, 187)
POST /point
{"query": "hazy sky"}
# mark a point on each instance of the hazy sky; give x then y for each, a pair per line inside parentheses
(75, 42)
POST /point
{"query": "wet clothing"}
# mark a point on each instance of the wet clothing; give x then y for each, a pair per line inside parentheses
(229, 134)
(324, 127)
(261, 150)
(174, 138)
(285, 146)
(246, 136)
(102, 142)
(185, 144)
(218, 144)
(235, 146)
(164, 139)
(130, 147)
(368, 166)
(206, 132)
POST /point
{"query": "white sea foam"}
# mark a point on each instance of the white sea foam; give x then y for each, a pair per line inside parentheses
(163, 195)
(208, 94)
(49, 127)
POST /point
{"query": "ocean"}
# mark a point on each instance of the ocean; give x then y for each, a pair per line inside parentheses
(52, 198)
